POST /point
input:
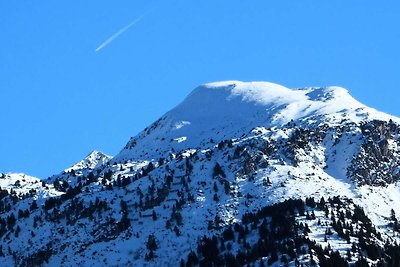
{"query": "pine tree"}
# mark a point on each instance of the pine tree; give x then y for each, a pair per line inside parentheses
(34, 205)
(151, 243)
(217, 171)
(154, 216)
(215, 187)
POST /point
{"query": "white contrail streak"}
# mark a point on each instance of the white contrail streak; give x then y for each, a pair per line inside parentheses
(118, 33)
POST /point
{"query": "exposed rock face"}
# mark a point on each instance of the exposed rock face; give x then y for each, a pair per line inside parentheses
(377, 162)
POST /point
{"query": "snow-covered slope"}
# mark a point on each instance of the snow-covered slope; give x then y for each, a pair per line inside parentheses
(225, 110)
(23, 185)
(237, 174)
(94, 160)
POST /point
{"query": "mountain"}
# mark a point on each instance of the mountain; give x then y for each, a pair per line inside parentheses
(25, 186)
(239, 173)
(94, 160)
(226, 110)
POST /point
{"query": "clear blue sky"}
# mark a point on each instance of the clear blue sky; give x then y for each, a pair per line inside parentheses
(60, 99)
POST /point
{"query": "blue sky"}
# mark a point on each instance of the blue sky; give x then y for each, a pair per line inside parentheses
(60, 99)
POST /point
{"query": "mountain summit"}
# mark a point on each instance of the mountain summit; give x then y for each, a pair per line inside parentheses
(93, 160)
(224, 110)
(238, 174)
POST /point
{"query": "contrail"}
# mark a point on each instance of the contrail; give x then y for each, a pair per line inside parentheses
(118, 33)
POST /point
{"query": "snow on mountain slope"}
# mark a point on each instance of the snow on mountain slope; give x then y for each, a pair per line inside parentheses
(224, 110)
(94, 160)
(237, 174)
(21, 184)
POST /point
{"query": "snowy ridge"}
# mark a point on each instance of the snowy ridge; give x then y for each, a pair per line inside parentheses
(237, 174)
(94, 160)
(222, 110)
(21, 185)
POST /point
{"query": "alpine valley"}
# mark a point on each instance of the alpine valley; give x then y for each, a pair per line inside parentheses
(238, 174)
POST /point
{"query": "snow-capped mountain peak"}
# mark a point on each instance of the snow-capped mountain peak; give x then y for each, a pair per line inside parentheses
(91, 161)
(237, 174)
(220, 110)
